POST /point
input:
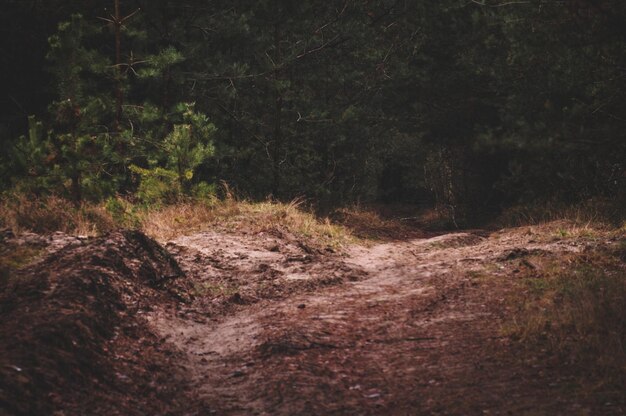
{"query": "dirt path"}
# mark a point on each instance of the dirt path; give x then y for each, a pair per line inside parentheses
(414, 329)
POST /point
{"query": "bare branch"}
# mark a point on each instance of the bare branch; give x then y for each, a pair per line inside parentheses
(130, 15)
(325, 45)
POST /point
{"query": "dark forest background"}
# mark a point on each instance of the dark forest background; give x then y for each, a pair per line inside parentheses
(471, 105)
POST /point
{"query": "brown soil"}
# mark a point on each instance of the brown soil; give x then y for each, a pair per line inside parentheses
(266, 324)
(74, 336)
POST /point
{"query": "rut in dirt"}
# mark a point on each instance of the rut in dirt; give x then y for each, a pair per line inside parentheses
(416, 333)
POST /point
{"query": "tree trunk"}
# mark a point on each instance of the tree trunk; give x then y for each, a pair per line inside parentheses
(75, 188)
(278, 99)
(119, 95)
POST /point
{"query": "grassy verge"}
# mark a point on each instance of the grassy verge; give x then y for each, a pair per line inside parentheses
(576, 307)
(595, 211)
(243, 216)
(50, 214)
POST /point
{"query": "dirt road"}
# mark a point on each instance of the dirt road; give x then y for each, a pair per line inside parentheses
(241, 323)
(415, 328)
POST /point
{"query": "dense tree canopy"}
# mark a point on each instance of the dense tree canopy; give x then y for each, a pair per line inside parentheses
(469, 104)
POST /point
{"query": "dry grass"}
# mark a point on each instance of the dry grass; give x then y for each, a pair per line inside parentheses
(595, 211)
(184, 218)
(49, 214)
(577, 307)
(369, 224)
(168, 222)
(568, 229)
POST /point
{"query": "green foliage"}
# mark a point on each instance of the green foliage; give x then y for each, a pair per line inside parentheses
(188, 145)
(157, 185)
(461, 104)
(204, 191)
(122, 212)
(157, 65)
(75, 155)
(77, 69)
(73, 165)
(82, 156)
(30, 151)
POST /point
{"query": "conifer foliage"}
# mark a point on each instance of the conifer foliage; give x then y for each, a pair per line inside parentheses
(471, 105)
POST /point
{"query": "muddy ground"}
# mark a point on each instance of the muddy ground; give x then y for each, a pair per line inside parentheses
(242, 324)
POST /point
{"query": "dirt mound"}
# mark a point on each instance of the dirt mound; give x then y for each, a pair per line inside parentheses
(74, 339)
